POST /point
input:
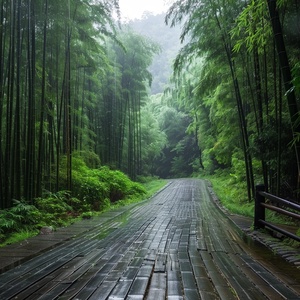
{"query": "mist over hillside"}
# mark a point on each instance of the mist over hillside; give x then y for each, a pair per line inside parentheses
(154, 27)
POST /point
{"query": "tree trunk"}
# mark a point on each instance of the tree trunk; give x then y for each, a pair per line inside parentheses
(29, 188)
(287, 80)
(17, 126)
(41, 149)
(2, 170)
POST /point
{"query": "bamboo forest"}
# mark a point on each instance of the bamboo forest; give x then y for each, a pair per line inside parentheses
(91, 106)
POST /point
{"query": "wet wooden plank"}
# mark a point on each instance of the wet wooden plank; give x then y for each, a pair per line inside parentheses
(158, 281)
(145, 271)
(13, 276)
(173, 262)
(191, 294)
(160, 262)
(139, 287)
(42, 263)
(121, 289)
(219, 282)
(34, 290)
(136, 262)
(102, 292)
(158, 287)
(258, 281)
(185, 266)
(204, 284)
(76, 264)
(238, 281)
(15, 254)
(130, 273)
(88, 269)
(56, 291)
(32, 278)
(188, 281)
(271, 280)
(174, 288)
(151, 255)
(87, 284)
(183, 256)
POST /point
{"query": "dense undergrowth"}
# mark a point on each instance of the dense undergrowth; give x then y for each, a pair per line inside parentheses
(94, 190)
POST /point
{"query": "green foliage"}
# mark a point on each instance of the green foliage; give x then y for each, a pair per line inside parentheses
(99, 187)
(88, 188)
(232, 194)
(152, 135)
(119, 184)
(179, 149)
(231, 88)
(89, 158)
(238, 167)
(296, 77)
(152, 184)
(80, 25)
(60, 209)
(252, 27)
(19, 216)
(124, 94)
(54, 202)
(18, 219)
(17, 236)
(56, 209)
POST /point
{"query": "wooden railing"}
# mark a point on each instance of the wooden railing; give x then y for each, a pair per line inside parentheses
(275, 204)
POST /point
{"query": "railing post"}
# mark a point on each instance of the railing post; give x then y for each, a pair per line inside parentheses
(259, 212)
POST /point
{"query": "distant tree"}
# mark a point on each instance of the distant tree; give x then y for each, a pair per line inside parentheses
(126, 93)
(154, 27)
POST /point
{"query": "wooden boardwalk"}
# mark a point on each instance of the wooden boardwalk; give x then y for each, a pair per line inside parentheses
(177, 245)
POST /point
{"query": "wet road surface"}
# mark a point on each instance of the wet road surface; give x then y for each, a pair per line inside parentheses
(177, 245)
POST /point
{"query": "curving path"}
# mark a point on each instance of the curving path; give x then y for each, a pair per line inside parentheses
(177, 245)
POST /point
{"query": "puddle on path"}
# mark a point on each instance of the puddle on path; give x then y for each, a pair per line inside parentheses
(271, 260)
(115, 224)
(104, 233)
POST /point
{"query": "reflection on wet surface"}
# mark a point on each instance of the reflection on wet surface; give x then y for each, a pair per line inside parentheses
(278, 265)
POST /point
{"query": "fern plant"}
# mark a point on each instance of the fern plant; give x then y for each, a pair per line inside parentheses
(18, 217)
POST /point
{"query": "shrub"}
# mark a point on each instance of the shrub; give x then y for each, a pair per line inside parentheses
(90, 159)
(56, 209)
(18, 217)
(98, 187)
(88, 188)
(119, 184)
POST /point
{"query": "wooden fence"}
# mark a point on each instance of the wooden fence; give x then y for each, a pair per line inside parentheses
(265, 201)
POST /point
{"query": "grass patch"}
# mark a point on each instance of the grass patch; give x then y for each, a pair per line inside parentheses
(233, 195)
(17, 237)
